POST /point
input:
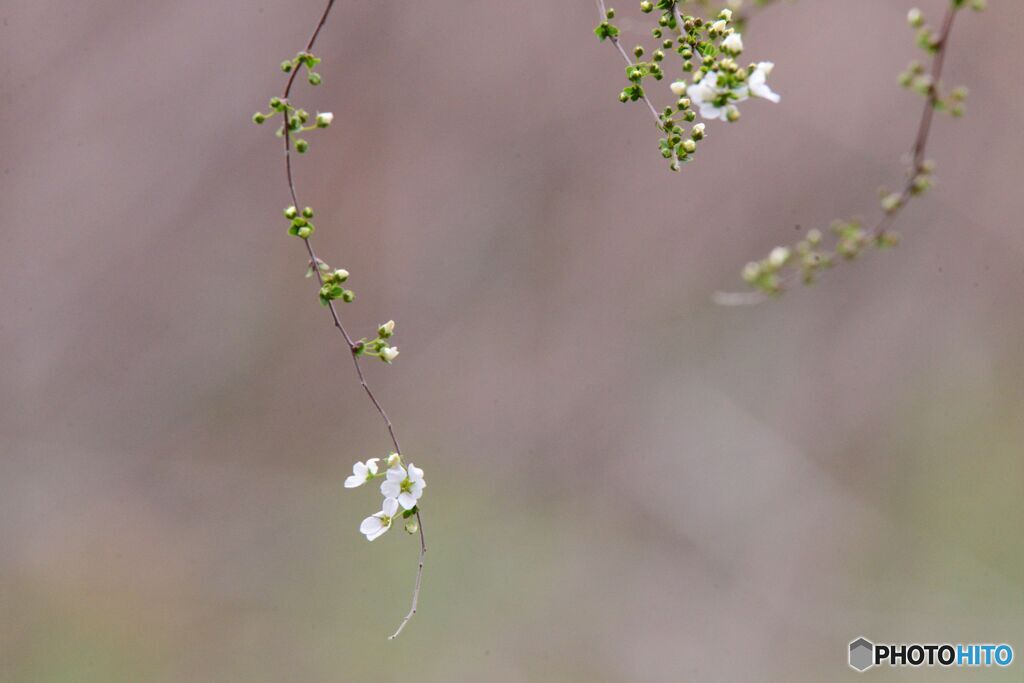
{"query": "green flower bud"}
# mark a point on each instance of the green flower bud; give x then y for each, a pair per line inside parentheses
(307, 212)
(891, 202)
(291, 212)
(301, 146)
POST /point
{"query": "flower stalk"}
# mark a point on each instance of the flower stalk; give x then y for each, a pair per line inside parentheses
(295, 121)
(850, 238)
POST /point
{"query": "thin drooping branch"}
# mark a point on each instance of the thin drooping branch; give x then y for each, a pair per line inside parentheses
(353, 347)
(924, 128)
(629, 62)
(679, 28)
(416, 588)
(916, 167)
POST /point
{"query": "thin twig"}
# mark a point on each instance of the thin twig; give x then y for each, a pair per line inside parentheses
(679, 31)
(917, 154)
(629, 62)
(353, 347)
(419, 577)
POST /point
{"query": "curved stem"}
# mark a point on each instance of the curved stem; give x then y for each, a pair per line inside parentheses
(629, 62)
(352, 346)
(917, 153)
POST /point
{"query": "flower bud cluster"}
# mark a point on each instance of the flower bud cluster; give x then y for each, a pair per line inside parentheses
(807, 258)
(299, 223)
(380, 346)
(707, 49)
(332, 289)
(303, 59)
(296, 120)
(916, 78)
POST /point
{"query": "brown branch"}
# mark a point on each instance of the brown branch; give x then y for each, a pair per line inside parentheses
(419, 578)
(353, 347)
(629, 62)
(924, 128)
(917, 164)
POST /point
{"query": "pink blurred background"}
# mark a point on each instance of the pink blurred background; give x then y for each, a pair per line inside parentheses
(626, 481)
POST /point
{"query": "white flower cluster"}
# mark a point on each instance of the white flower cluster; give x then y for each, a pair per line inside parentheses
(724, 83)
(402, 488)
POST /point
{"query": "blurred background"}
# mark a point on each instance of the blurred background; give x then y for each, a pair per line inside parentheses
(626, 481)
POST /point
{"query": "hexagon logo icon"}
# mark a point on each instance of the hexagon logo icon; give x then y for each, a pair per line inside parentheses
(862, 654)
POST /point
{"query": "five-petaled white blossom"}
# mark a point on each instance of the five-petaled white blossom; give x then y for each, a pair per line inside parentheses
(375, 525)
(406, 486)
(362, 473)
(758, 82)
(733, 43)
(711, 100)
(714, 101)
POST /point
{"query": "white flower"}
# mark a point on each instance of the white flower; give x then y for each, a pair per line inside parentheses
(678, 88)
(388, 354)
(758, 82)
(374, 526)
(778, 257)
(711, 100)
(733, 43)
(324, 119)
(394, 460)
(726, 14)
(362, 473)
(719, 25)
(407, 487)
(387, 329)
